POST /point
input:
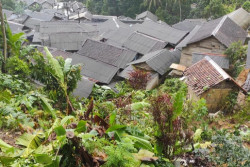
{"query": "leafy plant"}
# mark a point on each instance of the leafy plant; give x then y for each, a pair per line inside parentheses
(138, 79)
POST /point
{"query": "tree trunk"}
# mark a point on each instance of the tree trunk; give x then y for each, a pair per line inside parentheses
(4, 39)
(180, 8)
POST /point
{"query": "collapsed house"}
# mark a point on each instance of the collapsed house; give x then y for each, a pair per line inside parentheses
(212, 37)
(206, 79)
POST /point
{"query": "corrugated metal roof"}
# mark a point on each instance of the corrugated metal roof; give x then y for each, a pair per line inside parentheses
(110, 25)
(15, 27)
(106, 53)
(125, 73)
(188, 24)
(147, 14)
(248, 56)
(143, 44)
(160, 31)
(223, 29)
(159, 60)
(8, 13)
(205, 74)
(240, 17)
(221, 60)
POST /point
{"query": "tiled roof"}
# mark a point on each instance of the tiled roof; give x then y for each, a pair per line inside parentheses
(165, 33)
(143, 44)
(223, 29)
(188, 24)
(205, 74)
(106, 53)
(147, 14)
(160, 60)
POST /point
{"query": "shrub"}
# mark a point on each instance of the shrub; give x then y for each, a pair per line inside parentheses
(173, 85)
(237, 54)
(229, 151)
(138, 79)
(246, 6)
(168, 124)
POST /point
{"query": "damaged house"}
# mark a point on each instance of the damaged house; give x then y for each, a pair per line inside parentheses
(206, 79)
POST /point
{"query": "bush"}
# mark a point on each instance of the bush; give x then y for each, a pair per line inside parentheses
(246, 6)
(229, 151)
(138, 79)
(237, 54)
(174, 85)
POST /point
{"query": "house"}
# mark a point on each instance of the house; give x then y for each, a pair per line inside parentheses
(212, 37)
(102, 61)
(188, 24)
(206, 79)
(157, 63)
(147, 14)
(162, 32)
(240, 17)
(81, 16)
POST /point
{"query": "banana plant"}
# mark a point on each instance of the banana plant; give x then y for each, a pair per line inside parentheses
(60, 74)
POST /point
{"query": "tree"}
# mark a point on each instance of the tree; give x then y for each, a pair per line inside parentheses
(153, 3)
(4, 39)
(246, 6)
(180, 2)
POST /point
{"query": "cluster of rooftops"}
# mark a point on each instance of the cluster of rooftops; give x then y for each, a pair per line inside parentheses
(110, 47)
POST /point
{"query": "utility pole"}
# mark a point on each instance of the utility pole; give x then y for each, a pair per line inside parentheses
(4, 39)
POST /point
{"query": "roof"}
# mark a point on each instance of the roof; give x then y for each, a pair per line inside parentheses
(161, 31)
(110, 25)
(32, 22)
(106, 53)
(248, 56)
(188, 24)
(87, 15)
(147, 14)
(118, 37)
(100, 71)
(223, 29)
(84, 88)
(240, 17)
(205, 74)
(143, 44)
(125, 73)
(221, 60)
(69, 40)
(8, 13)
(64, 26)
(246, 85)
(41, 16)
(15, 27)
(159, 60)
(186, 40)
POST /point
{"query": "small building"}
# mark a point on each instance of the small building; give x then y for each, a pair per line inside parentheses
(147, 14)
(206, 79)
(156, 63)
(212, 37)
